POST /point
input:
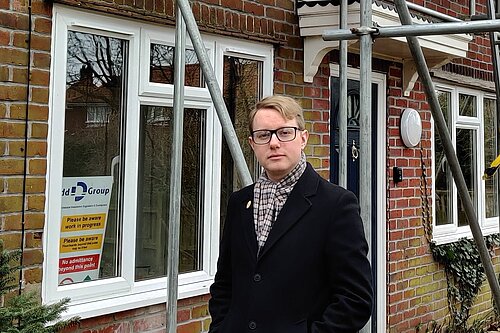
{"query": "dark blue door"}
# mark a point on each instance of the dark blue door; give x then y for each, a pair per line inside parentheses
(353, 113)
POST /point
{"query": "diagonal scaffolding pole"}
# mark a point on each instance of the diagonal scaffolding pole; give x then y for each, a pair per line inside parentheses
(176, 175)
(425, 77)
(214, 89)
(185, 20)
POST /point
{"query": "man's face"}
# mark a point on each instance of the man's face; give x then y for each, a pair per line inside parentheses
(278, 158)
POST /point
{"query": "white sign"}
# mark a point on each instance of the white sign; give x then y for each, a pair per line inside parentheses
(84, 212)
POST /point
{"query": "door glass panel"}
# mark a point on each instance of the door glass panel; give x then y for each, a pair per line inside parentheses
(242, 89)
(467, 150)
(161, 68)
(490, 153)
(443, 182)
(156, 137)
(91, 195)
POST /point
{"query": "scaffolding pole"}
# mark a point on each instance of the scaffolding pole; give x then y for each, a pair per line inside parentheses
(214, 89)
(449, 150)
(365, 127)
(176, 175)
(413, 30)
(185, 20)
(496, 75)
(342, 116)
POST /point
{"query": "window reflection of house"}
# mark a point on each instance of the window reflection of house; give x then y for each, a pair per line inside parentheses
(97, 115)
(87, 102)
(158, 116)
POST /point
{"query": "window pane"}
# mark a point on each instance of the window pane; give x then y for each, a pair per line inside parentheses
(467, 150)
(154, 188)
(443, 178)
(490, 153)
(95, 82)
(467, 105)
(242, 83)
(162, 66)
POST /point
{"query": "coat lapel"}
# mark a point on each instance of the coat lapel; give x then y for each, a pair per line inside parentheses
(247, 222)
(295, 207)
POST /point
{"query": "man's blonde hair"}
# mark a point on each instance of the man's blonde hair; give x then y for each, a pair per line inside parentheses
(286, 106)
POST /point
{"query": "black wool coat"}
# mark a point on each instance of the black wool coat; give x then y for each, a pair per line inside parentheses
(312, 275)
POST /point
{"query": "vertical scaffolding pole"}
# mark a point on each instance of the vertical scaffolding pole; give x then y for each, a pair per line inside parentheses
(496, 75)
(342, 116)
(365, 124)
(175, 175)
(449, 151)
(213, 87)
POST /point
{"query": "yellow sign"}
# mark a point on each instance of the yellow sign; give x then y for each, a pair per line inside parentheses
(83, 222)
(80, 243)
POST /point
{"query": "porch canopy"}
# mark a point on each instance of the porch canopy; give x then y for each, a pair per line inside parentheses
(316, 16)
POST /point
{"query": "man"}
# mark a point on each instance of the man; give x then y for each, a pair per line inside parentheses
(293, 252)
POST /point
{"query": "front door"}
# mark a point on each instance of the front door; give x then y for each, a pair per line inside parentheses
(353, 151)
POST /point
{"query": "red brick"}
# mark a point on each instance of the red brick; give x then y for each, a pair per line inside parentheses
(4, 74)
(183, 315)
(149, 323)
(12, 93)
(11, 241)
(4, 37)
(11, 166)
(35, 166)
(41, 60)
(36, 203)
(41, 7)
(12, 129)
(253, 8)
(41, 43)
(43, 25)
(97, 321)
(192, 327)
(14, 21)
(33, 275)
(36, 112)
(20, 39)
(39, 130)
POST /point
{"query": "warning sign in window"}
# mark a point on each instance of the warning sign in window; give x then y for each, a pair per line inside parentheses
(78, 264)
(80, 243)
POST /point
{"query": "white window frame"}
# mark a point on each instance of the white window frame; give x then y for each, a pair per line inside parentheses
(452, 232)
(121, 293)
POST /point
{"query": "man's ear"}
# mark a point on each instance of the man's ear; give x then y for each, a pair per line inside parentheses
(304, 136)
(250, 142)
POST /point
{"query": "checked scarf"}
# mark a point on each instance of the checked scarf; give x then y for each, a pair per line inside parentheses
(269, 198)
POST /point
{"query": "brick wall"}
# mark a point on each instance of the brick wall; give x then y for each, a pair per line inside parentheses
(14, 60)
(192, 317)
(416, 284)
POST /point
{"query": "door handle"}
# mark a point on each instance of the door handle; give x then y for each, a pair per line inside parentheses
(354, 151)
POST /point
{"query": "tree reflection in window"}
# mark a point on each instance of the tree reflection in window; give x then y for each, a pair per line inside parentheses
(242, 88)
(443, 185)
(490, 153)
(94, 113)
(466, 148)
(161, 68)
(155, 150)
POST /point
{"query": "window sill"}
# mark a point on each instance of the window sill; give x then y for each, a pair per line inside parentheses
(450, 237)
(131, 301)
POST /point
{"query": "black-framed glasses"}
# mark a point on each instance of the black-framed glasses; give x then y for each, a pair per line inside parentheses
(284, 134)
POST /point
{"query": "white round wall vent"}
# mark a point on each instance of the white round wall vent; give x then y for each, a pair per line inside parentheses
(410, 127)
